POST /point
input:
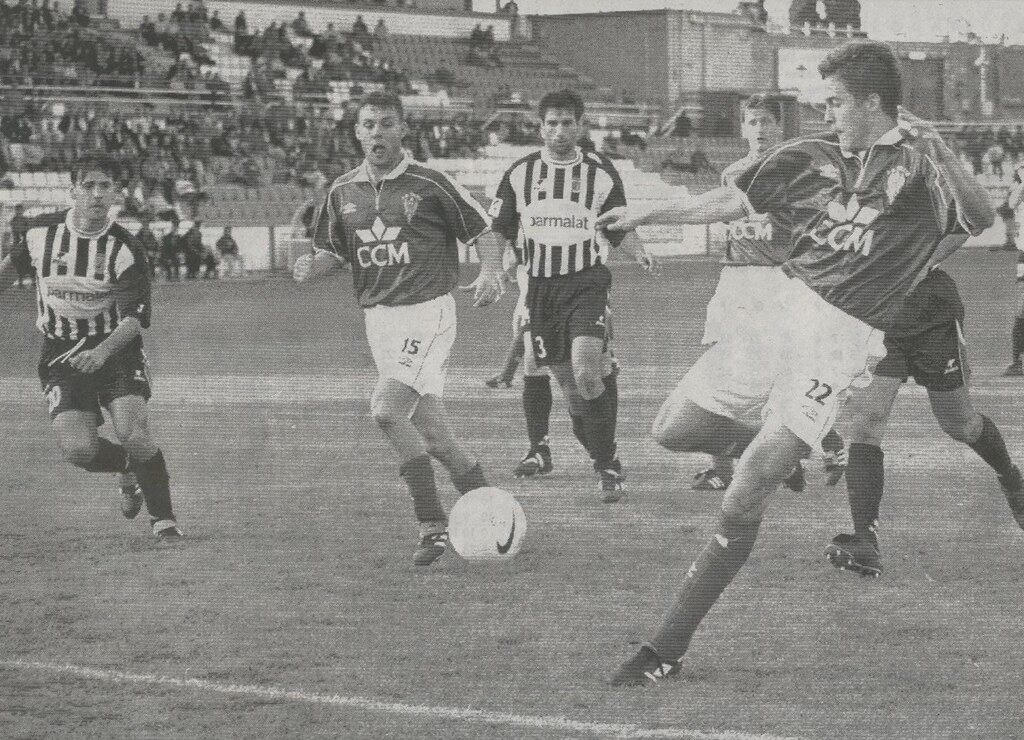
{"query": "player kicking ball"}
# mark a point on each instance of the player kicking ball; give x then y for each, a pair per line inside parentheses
(549, 202)
(926, 343)
(93, 292)
(868, 206)
(398, 223)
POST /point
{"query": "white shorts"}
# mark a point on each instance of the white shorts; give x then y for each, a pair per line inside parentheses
(741, 300)
(799, 369)
(411, 344)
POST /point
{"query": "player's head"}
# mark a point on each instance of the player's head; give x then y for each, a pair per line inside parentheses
(380, 127)
(94, 188)
(761, 125)
(864, 92)
(561, 122)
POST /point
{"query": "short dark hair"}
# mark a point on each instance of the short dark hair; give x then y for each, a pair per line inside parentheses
(760, 102)
(95, 162)
(561, 100)
(382, 99)
(866, 67)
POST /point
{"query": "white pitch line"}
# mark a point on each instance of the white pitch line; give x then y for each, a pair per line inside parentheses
(463, 714)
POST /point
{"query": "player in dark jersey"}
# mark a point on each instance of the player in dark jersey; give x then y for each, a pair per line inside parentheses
(1015, 202)
(550, 200)
(925, 342)
(869, 207)
(93, 292)
(397, 223)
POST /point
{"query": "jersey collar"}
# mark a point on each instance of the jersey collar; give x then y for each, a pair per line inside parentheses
(363, 175)
(546, 158)
(892, 137)
(69, 222)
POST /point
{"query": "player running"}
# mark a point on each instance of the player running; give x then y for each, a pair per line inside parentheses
(755, 246)
(397, 223)
(868, 205)
(93, 290)
(924, 342)
(550, 199)
(1016, 203)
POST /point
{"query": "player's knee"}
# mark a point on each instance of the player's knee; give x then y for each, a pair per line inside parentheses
(866, 427)
(139, 444)
(589, 382)
(670, 434)
(385, 418)
(79, 452)
(962, 429)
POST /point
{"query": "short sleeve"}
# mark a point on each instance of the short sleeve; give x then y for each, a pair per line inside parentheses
(504, 208)
(463, 212)
(328, 233)
(133, 290)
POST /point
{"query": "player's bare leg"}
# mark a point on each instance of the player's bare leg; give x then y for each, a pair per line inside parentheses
(683, 426)
(958, 418)
(131, 425)
(867, 412)
(766, 462)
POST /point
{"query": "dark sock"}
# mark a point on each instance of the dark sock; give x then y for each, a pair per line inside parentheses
(536, 407)
(1018, 338)
(419, 476)
(713, 570)
(471, 479)
(599, 426)
(109, 458)
(832, 442)
(580, 432)
(156, 485)
(991, 447)
(865, 481)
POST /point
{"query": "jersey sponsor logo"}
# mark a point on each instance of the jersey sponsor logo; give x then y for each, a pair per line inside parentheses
(750, 230)
(895, 182)
(558, 222)
(410, 202)
(380, 246)
(846, 227)
(348, 209)
(829, 171)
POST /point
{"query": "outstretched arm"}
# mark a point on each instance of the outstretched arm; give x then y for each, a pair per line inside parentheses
(316, 265)
(489, 284)
(721, 204)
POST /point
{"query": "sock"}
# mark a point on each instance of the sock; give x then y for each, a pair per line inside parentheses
(710, 573)
(599, 419)
(580, 432)
(109, 458)
(991, 447)
(155, 484)
(1018, 338)
(472, 478)
(865, 481)
(536, 407)
(419, 476)
(832, 442)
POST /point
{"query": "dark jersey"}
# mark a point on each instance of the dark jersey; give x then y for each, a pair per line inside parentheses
(551, 208)
(933, 302)
(86, 284)
(401, 234)
(863, 226)
(757, 239)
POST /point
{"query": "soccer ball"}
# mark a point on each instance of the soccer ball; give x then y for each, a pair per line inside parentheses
(487, 524)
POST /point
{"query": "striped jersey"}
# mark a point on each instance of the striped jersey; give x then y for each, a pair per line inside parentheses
(86, 284)
(757, 239)
(401, 233)
(863, 225)
(551, 208)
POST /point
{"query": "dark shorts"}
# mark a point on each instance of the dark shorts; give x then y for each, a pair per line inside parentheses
(66, 389)
(935, 358)
(565, 307)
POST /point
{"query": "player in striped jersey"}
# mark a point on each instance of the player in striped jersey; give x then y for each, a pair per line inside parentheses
(550, 199)
(397, 223)
(93, 299)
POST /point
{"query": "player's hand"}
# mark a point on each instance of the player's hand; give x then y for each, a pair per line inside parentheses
(302, 267)
(90, 360)
(623, 218)
(488, 287)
